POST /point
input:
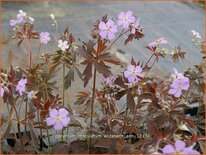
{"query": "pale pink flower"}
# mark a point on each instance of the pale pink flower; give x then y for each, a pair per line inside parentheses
(158, 42)
(107, 30)
(125, 19)
(63, 45)
(58, 118)
(44, 37)
(21, 86)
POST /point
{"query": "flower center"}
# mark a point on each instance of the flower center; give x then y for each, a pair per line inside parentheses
(134, 73)
(125, 19)
(58, 119)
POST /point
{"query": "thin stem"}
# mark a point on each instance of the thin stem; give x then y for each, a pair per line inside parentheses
(30, 51)
(63, 91)
(149, 59)
(28, 116)
(48, 136)
(92, 107)
(18, 123)
(63, 94)
(151, 66)
(18, 128)
(38, 52)
(25, 127)
(121, 34)
(41, 135)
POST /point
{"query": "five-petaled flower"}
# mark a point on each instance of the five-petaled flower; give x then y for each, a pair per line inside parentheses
(133, 73)
(179, 84)
(63, 45)
(44, 37)
(109, 81)
(158, 42)
(58, 118)
(21, 86)
(107, 30)
(125, 19)
(179, 148)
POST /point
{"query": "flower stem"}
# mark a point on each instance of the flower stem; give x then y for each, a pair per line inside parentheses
(48, 136)
(151, 66)
(149, 59)
(30, 51)
(40, 128)
(18, 123)
(38, 52)
(121, 34)
(63, 94)
(92, 107)
(26, 116)
(18, 128)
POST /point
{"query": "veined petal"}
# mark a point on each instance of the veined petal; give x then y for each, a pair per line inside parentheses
(58, 126)
(50, 121)
(63, 112)
(102, 26)
(179, 145)
(168, 149)
(53, 113)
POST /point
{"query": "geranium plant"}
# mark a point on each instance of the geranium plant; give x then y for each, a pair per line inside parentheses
(158, 116)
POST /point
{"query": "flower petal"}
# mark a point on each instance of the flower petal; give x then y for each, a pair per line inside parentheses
(168, 149)
(50, 121)
(53, 113)
(58, 126)
(65, 121)
(180, 145)
(63, 112)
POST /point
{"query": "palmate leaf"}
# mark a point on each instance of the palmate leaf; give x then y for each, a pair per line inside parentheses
(83, 97)
(87, 74)
(106, 57)
(153, 128)
(102, 68)
(138, 34)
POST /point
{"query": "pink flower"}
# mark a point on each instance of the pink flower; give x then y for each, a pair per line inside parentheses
(109, 81)
(107, 30)
(13, 22)
(135, 26)
(58, 118)
(179, 84)
(158, 42)
(179, 148)
(44, 37)
(1, 91)
(133, 73)
(63, 45)
(21, 86)
(125, 19)
(21, 16)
